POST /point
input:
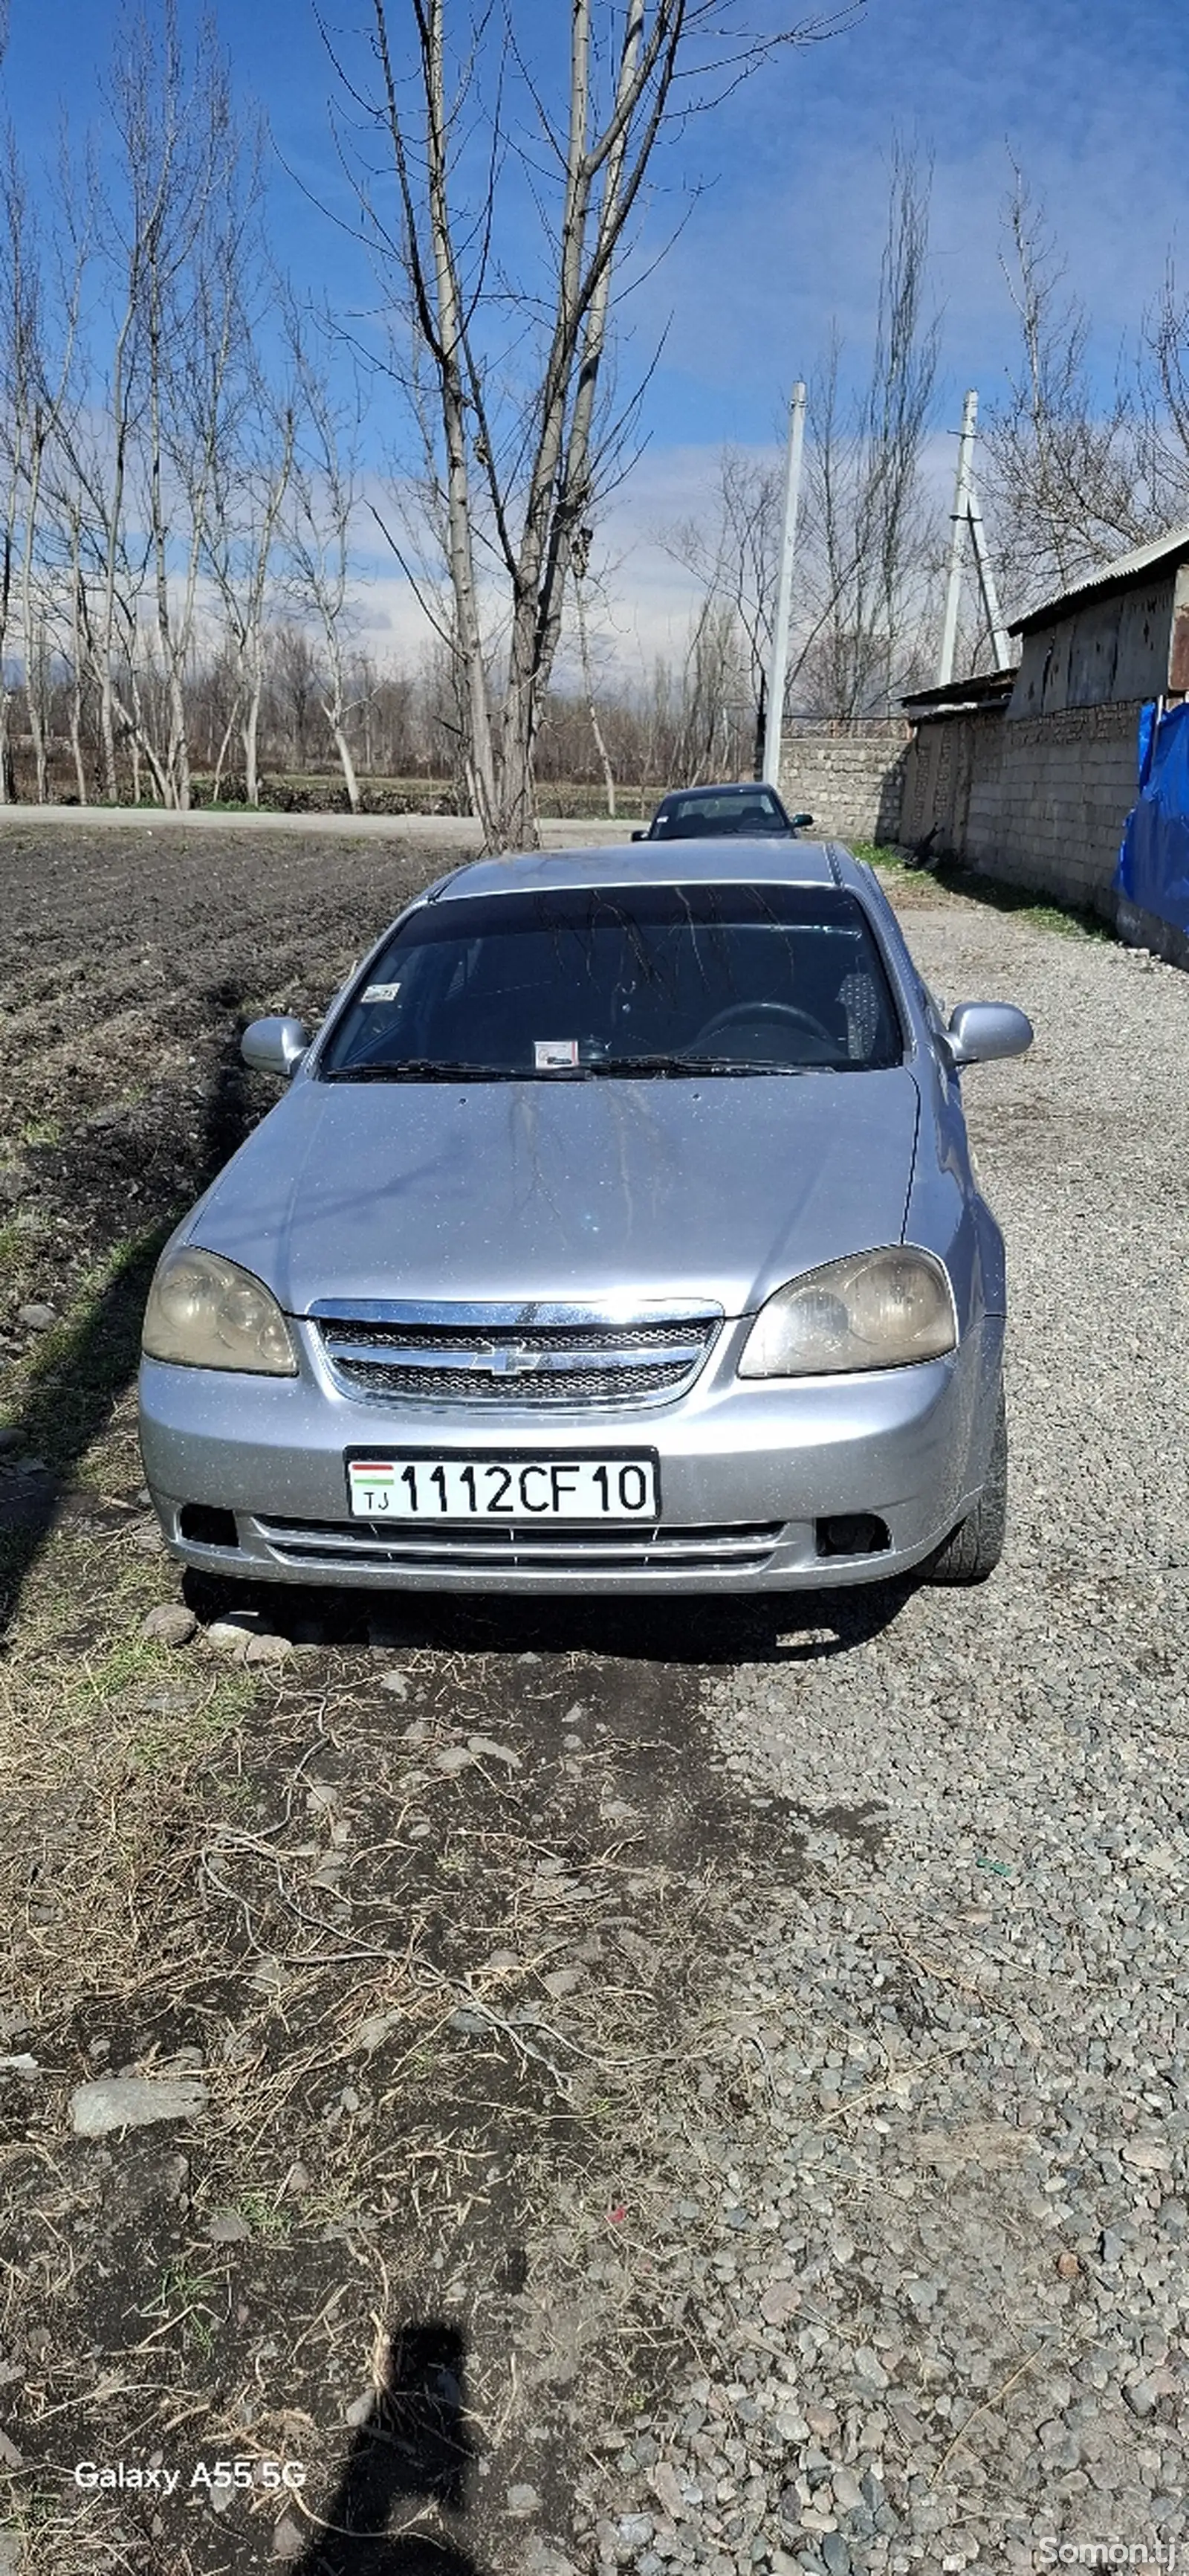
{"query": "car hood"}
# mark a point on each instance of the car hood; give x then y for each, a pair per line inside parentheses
(527, 1191)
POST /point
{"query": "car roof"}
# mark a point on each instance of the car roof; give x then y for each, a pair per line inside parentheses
(731, 787)
(710, 862)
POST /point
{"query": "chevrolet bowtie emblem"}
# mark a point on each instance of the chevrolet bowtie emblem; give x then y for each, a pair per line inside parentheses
(508, 1359)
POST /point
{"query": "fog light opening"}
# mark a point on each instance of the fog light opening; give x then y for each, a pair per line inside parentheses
(853, 1534)
(206, 1526)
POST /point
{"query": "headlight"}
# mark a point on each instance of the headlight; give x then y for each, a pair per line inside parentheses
(878, 1310)
(204, 1312)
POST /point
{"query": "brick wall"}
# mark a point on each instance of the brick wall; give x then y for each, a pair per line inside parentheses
(1039, 801)
(1049, 800)
(850, 783)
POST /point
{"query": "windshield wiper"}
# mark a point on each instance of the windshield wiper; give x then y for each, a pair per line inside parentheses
(416, 1069)
(688, 1068)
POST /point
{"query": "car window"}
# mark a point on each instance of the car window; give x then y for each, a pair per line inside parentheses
(707, 816)
(655, 979)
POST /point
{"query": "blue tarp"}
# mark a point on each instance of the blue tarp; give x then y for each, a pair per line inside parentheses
(1153, 869)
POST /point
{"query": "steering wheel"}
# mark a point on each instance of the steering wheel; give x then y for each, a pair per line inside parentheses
(741, 1012)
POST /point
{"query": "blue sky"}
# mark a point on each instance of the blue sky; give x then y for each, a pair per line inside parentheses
(1090, 94)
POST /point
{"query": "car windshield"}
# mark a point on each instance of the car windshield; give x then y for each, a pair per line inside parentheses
(650, 981)
(708, 815)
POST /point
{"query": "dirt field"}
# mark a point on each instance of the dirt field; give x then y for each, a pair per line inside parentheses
(544, 1972)
(282, 1878)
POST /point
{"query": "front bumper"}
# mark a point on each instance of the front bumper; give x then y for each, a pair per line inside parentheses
(748, 1472)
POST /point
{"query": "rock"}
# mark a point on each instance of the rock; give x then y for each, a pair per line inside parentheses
(378, 2027)
(148, 1537)
(544, 2558)
(1068, 2266)
(228, 2228)
(36, 1319)
(562, 1981)
(779, 2302)
(267, 1648)
(485, 1747)
(360, 2409)
(396, 1683)
(666, 2487)
(289, 2539)
(455, 1758)
(170, 1624)
(132, 2102)
(1147, 2155)
(1140, 2396)
(523, 2501)
(10, 2554)
(230, 1636)
(1144, 2393)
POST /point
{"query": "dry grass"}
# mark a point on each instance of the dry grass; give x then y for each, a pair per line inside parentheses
(442, 1956)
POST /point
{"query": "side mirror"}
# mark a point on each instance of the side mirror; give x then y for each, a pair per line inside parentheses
(799, 821)
(982, 1032)
(639, 836)
(275, 1046)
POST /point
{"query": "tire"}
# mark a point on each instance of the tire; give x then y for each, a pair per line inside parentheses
(972, 1551)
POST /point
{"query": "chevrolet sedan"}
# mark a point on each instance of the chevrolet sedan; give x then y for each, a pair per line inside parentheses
(616, 1233)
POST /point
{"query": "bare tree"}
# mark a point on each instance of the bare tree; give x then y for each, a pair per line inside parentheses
(251, 471)
(20, 288)
(731, 547)
(1071, 478)
(507, 377)
(325, 491)
(866, 533)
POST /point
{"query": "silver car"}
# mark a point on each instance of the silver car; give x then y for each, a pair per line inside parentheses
(616, 1233)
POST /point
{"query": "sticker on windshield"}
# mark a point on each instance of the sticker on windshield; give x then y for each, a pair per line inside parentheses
(380, 993)
(552, 1055)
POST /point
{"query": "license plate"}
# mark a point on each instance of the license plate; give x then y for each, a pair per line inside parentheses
(424, 1488)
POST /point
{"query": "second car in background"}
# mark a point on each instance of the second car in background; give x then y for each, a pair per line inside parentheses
(748, 812)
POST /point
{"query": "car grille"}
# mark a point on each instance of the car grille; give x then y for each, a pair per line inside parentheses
(523, 1356)
(740, 1547)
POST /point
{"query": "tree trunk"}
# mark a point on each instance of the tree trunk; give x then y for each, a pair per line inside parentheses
(251, 740)
(334, 718)
(220, 758)
(76, 741)
(107, 729)
(595, 726)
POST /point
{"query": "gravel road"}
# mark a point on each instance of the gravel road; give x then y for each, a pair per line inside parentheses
(939, 2266)
(808, 2189)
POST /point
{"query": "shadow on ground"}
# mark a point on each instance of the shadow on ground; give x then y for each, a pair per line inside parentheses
(756, 1628)
(409, 2463)
(82, 1370)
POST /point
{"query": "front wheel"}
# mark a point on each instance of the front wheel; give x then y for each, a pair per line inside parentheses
(972, 1551)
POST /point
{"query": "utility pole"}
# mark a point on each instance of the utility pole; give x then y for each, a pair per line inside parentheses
(958, 519)
(966, 513)
(774, 713)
